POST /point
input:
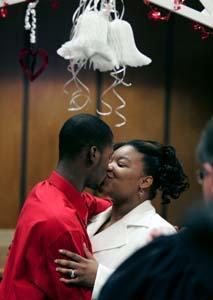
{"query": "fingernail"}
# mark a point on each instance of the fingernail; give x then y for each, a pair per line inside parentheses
(61, 250)
(56, 261)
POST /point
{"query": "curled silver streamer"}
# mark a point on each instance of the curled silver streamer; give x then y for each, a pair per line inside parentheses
(81, 93)
(117, 81)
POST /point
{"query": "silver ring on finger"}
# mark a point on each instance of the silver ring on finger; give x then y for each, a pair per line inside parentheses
(72, 274)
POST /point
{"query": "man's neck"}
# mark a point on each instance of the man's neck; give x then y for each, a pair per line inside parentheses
(74, 173)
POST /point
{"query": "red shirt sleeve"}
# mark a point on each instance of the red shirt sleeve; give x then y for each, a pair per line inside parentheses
(41, 254)
(95, 204)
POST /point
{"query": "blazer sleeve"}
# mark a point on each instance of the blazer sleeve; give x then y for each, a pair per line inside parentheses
(103, 274)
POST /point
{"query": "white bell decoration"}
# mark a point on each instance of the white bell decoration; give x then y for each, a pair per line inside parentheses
(121, 40)
(90, 39)
(103, 41)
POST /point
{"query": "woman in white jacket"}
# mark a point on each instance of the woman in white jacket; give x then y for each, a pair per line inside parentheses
(137, 170)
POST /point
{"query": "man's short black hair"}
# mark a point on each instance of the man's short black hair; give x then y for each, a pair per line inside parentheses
(205, 146)
(83, 131)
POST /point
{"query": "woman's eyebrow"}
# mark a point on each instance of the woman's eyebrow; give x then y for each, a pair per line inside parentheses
(124, 157)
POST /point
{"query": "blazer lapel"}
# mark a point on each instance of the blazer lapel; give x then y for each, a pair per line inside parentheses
(97, 221)
(114, 236)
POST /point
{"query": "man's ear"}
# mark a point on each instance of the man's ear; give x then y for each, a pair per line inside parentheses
(145, 182)
(93, 155)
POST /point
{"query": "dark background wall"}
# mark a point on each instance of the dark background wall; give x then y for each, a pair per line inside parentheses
(181, 69)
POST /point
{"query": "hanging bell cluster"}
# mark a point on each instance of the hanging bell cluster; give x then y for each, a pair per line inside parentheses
(106, 43)
(102, 40)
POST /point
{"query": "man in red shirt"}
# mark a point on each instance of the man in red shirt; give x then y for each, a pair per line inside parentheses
(55, 214)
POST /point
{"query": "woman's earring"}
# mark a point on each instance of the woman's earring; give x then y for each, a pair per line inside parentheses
(140, 193)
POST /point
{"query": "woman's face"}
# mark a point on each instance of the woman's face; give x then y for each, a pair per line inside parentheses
(124, 173)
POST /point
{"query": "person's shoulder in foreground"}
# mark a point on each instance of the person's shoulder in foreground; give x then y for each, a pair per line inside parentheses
(169, 268)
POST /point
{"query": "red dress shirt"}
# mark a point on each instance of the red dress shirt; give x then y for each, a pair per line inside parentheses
(54, 217)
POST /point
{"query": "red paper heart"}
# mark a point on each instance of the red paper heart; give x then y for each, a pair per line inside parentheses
(55, 4)
(26, 55)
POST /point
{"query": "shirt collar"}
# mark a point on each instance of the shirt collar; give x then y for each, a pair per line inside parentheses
(72, 194)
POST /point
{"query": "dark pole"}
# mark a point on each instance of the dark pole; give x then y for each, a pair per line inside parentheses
(169, 63)
(24, 140)
(99, 85)
(24, 128)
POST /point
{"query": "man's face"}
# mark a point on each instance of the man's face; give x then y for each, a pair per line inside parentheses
(207, 182)
(98, 172)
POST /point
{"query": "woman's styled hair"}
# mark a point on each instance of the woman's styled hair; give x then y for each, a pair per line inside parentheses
(162, 164)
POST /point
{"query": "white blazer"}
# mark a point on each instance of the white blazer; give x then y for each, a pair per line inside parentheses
(118, 241)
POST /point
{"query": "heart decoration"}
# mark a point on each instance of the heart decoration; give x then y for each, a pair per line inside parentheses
(28, 60)
(55, 5)
(3, 10)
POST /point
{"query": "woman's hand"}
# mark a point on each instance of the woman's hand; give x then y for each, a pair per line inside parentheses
(81, 270)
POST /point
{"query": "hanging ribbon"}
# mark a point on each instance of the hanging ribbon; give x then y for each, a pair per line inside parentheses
(120, 81)
(82, 93)
(31, 21)
(117, 81)
(33, 60)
